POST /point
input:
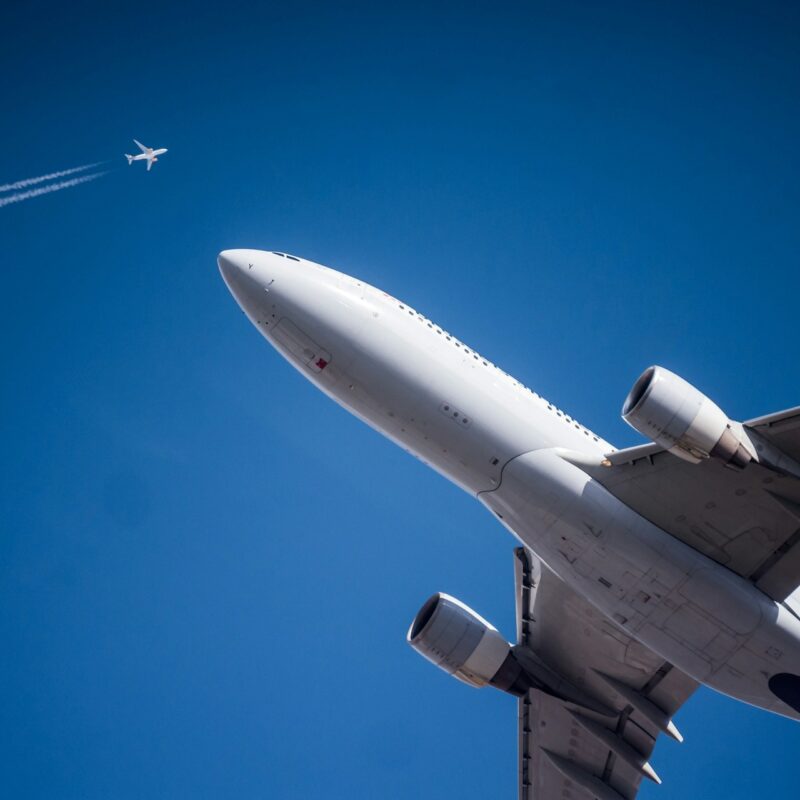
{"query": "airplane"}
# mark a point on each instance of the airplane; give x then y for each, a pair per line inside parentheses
(640, 573)
(148, 154)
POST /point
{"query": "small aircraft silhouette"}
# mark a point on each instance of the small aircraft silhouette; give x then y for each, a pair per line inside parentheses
(147, 154)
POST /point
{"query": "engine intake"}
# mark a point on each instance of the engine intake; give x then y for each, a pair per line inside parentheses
(463, 644)
(670, 411)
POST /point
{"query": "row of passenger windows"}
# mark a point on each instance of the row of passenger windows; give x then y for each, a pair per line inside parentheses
(477, 357)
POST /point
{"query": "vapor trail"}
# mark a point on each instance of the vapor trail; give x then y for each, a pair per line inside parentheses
(51, 187)
(10, 187)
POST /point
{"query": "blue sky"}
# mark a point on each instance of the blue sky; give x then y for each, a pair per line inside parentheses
(207, 569)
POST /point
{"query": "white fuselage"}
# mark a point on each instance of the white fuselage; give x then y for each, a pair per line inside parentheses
(150, 155)
(521, 457)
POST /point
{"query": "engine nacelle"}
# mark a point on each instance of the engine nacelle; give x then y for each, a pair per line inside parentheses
(671, 412)
(465, 645)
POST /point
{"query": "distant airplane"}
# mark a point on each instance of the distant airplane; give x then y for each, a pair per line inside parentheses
(640, 573)
(147, 154)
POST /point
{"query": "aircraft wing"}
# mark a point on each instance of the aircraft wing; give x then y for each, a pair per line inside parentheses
(141, 146)
(782, 429)
(150, 161)
(748, 520)
(566, 751)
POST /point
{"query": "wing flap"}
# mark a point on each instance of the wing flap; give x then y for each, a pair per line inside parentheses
(555, 749)
(781, 572)
(558, 751)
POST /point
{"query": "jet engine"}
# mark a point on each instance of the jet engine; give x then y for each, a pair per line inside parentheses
(465, 645)
(671, 412)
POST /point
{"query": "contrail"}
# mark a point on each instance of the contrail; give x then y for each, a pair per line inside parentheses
(10, 187)
(51, 187)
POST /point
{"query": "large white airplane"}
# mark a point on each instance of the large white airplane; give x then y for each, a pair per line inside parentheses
(147, 154)
(640, 574)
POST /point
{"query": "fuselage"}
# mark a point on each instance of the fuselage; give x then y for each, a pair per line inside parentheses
(521, 457)
(151, 155)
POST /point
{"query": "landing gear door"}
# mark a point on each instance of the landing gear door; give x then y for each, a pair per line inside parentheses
(300, 346)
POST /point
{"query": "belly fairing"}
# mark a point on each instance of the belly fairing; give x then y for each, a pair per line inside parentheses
(709, 622)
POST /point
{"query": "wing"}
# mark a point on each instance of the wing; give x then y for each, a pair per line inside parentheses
(748, 520)
(782, 429)
(141, 146)
(150, 161)
(562, 747)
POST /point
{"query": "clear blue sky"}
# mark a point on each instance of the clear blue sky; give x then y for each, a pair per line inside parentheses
(207, 569)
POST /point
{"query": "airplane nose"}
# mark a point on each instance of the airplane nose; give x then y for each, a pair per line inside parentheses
(228, 265)
(240, 279)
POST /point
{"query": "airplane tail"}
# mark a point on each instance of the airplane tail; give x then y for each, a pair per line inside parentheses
(130, 159)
